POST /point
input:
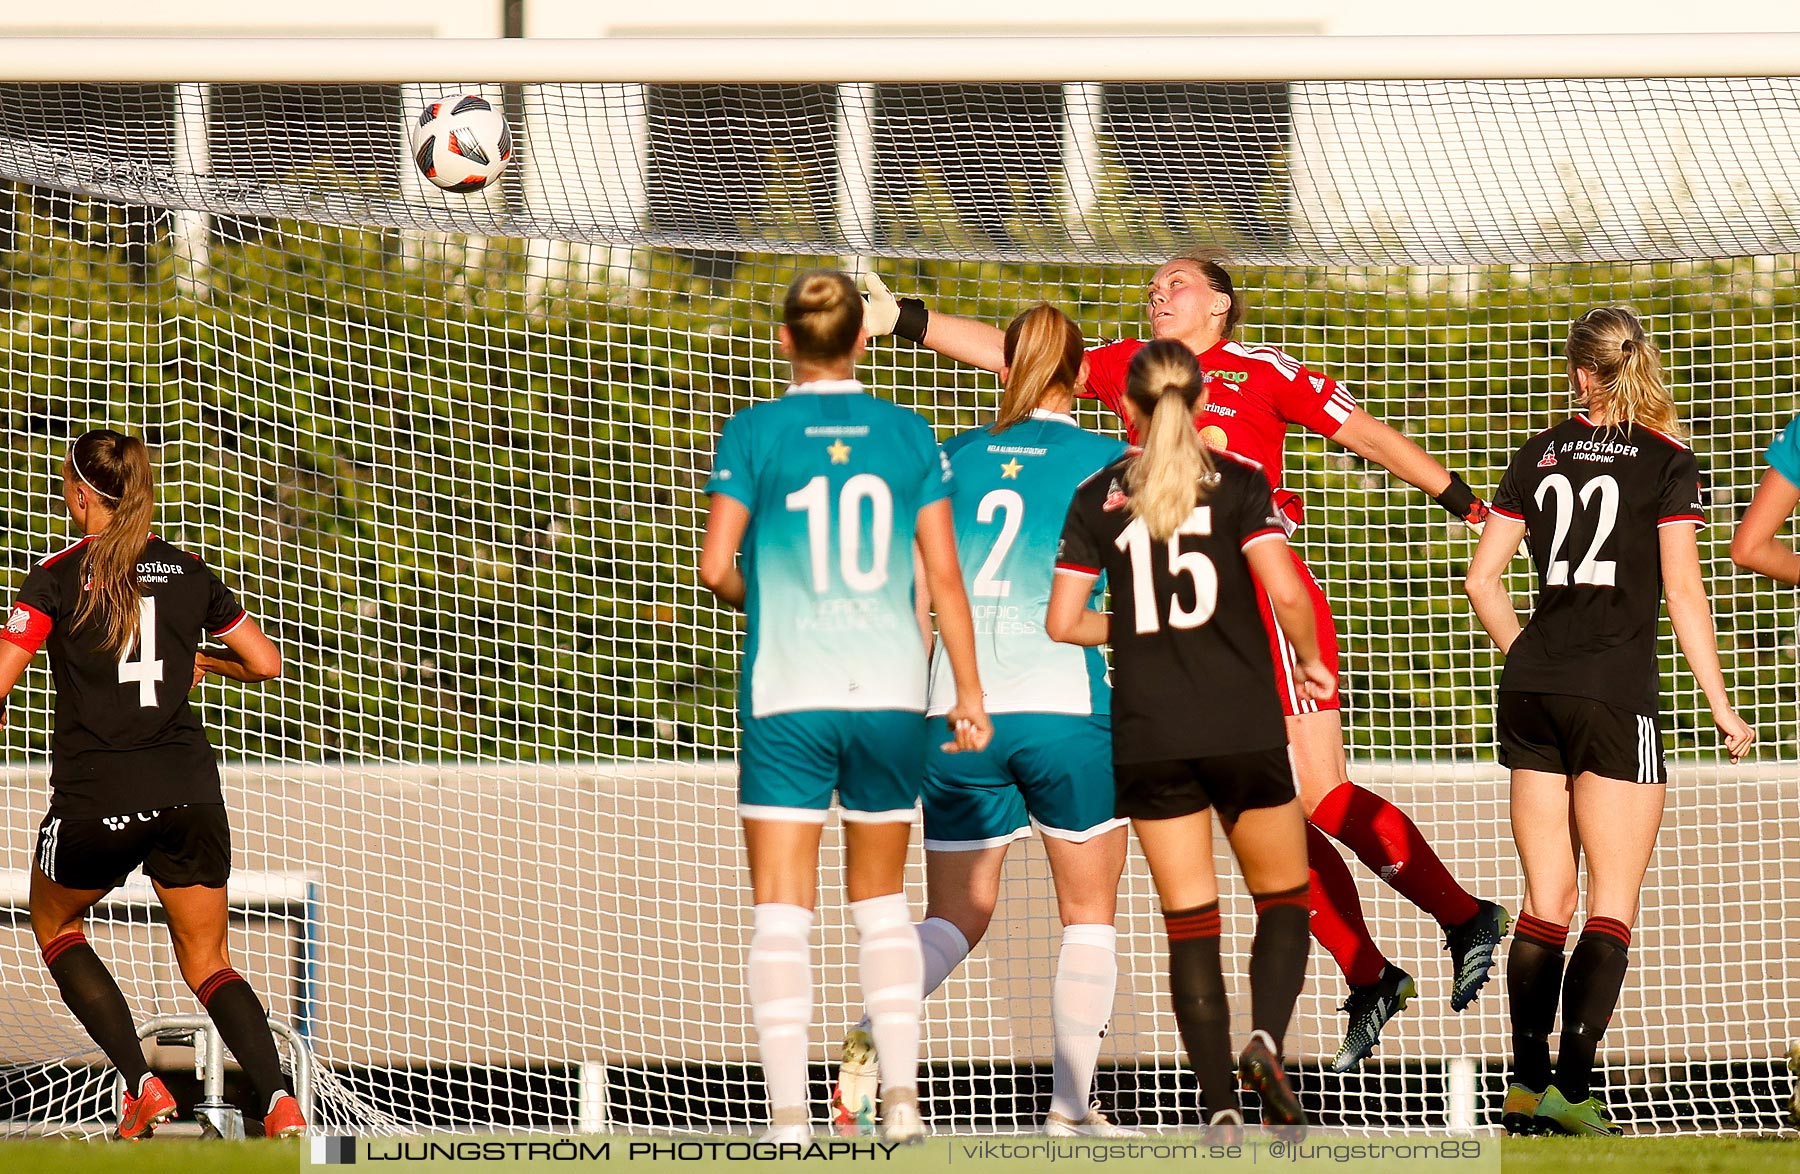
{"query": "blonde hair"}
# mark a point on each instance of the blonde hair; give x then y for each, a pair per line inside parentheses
(115, 468)
(1174, 472)
(1211, 264)
(1043, 353)
(823, 314)
(1611, 345)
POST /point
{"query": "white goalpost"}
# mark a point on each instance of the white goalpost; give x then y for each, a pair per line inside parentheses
(449, 449)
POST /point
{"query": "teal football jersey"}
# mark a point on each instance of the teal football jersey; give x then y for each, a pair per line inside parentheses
(1010, 496)
(834, 480)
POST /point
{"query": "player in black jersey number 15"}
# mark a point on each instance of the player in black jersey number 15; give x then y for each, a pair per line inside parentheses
(133, 780)
(1609, 502)
(1183, 539)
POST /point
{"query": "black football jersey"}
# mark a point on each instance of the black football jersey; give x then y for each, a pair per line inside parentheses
(1191, 670)
(1592, 500)
(125, 738)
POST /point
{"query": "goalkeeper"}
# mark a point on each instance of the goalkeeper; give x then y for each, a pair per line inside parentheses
(1256, 394)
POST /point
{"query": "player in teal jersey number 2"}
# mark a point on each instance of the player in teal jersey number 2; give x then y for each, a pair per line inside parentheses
(825, 491)
(1050, 763)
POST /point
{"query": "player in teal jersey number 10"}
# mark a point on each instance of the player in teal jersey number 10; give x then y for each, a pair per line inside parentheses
(826, 491)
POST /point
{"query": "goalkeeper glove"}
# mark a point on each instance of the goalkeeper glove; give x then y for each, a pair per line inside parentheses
(884, 314)
(1462, 503)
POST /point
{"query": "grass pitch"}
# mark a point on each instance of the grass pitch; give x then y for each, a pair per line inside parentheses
(1647, 1155)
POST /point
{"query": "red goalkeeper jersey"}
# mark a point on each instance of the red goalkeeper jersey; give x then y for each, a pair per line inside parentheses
(1256, 393)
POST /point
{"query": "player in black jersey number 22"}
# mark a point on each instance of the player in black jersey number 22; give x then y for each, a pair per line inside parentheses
(1197, 723)
(1610, 503)
(133, 779)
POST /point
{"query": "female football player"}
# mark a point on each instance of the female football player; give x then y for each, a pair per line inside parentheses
(1184, 542)
(133, 779)
(1257, 393)
(826, 490)
(1757, 545)
(1610, 503)
(1050, 763)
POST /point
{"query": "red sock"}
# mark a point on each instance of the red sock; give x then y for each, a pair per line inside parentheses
(1387, 841)
(1337, 920)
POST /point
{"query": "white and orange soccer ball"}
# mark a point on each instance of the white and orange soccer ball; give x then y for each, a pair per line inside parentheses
(461, 143)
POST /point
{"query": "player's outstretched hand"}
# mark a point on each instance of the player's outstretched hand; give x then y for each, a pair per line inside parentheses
(1738, 735)
(1316, 681)
(880, 310)
(971, 727)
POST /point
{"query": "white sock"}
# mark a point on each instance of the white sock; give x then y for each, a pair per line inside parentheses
(890, 963)
(781, 998)
(1081, 999)
(943, 947)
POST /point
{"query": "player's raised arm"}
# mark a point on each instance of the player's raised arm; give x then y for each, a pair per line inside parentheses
(967, 340)
(1394, 451)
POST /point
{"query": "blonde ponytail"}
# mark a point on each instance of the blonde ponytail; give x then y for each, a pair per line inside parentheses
(1043, 351)
(1625, 367)
(1174, 471)
(116, 468)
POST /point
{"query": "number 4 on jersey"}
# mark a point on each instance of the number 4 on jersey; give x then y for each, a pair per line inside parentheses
(145, 670)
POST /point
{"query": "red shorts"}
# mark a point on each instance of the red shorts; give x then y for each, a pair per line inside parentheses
(1286, 674)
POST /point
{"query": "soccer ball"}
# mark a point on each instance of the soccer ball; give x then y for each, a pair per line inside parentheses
(461, 142)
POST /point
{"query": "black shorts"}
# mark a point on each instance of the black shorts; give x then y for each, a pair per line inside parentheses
(1233, 783)
(178, 847)
(1571, 736)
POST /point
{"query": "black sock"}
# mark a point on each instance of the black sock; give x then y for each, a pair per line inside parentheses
(244, 1026)
(1197, 986)
(88, 988)
(1590, 992)
(1534, 971)
(1278, 959)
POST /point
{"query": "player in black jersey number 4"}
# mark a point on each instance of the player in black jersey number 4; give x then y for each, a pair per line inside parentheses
(1610, 503)
(133, 779)
(1197, 722)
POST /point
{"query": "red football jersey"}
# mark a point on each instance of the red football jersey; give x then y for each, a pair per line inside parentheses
(1256, 392)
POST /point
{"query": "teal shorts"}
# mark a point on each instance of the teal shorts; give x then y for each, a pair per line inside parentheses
(1049, 769)
(790, 763)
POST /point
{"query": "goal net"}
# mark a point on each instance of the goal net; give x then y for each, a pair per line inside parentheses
(450, 448)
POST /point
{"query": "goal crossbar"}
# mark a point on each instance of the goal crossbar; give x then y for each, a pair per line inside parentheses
(898, 59)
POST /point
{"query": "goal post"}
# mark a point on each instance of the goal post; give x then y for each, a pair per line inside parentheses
(450, 451)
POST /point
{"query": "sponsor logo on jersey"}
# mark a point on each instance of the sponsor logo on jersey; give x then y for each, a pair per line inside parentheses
(1318, 384)
(1220, 409)
(1227, 376)
(1549, 458)
(151, 571)
(1214, 437)
(1602, 451)
(1115, 497)
(837, 430)
(1015, 450)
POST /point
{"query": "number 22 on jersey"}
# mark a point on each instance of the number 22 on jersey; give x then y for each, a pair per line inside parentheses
(1136, 542)
(1592, 571)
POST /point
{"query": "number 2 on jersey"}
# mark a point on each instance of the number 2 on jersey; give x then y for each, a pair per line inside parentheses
(1592, 571)
(815, 498)
(145, 670)
(1135, 541)
(1011, 508)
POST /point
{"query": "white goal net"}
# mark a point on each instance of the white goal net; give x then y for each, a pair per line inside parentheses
(450, 448)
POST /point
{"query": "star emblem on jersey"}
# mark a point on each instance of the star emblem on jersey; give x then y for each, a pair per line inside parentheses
(1010, 470)
(840, 452)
